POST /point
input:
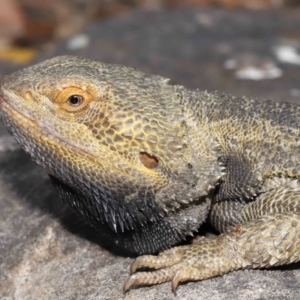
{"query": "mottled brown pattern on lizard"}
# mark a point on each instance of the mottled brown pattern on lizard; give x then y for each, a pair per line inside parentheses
(146, 163)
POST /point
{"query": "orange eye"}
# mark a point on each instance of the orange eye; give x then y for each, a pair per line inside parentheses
(73, 100)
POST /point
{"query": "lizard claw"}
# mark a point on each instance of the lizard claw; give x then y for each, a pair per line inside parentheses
(175, 281)
(146, 261)
(134, 266)
(129, 283)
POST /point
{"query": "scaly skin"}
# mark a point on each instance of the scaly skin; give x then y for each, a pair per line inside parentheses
(146, 163)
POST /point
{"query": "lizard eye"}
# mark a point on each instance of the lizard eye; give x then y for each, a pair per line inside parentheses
(75, 100)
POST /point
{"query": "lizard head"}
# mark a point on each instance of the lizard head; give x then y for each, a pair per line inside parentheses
(116, 142)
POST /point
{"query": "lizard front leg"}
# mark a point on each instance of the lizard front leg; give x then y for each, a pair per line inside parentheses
(268, 235)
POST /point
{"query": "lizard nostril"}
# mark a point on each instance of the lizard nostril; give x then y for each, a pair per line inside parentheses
(148, 160)
(28, 95)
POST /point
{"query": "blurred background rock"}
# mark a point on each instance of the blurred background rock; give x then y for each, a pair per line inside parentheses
(28, 26)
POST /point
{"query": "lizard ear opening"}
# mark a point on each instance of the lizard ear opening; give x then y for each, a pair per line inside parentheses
(148, 160)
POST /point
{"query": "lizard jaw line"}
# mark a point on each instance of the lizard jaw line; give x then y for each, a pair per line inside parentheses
(46, 135)
(33, 124)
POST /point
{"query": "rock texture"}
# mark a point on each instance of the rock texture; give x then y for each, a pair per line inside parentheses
(48, 253)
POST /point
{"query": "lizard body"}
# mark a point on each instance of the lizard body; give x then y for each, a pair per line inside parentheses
(146, 163)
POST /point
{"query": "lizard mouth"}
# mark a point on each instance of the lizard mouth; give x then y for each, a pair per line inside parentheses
(5, 105)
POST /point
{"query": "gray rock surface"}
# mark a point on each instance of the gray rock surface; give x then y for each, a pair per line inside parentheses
(46, 252)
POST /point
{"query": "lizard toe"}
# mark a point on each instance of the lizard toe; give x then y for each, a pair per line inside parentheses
(149, 278)
(165, 259)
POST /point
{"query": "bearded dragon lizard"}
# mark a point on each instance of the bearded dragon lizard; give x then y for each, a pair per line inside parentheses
(146, 163)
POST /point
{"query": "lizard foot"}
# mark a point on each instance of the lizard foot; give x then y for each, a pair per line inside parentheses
(272, 240)
(200, 260)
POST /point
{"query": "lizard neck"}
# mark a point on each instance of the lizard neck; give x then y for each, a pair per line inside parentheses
(202, 151)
